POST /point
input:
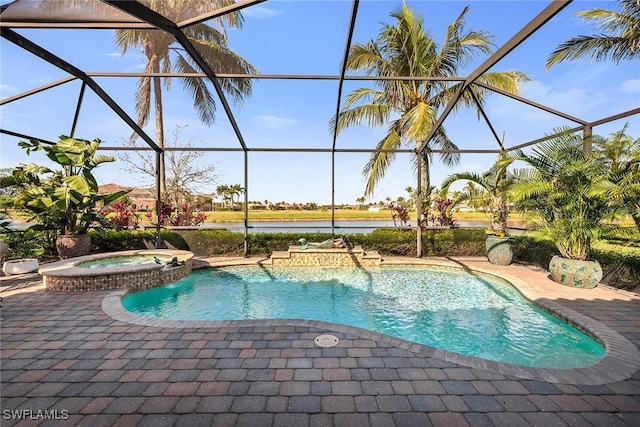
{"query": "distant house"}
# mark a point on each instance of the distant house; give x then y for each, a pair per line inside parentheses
(143, 198)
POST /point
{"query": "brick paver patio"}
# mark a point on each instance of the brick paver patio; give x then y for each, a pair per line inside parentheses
(62, 353)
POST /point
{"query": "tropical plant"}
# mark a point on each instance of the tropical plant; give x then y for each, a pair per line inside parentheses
(66, 200)
(442, 212)
(495, 184)
(399, 212)
(120, 214)
(620, 155)
(410, 107)
(181, 215)
(561, 186)
(163, 54)
(618, 38)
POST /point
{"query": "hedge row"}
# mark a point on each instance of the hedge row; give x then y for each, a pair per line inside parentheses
(455, 242)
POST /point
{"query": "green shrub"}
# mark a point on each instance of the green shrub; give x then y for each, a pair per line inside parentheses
(627, 236)
(213, 242)
(123, 240)
(25, 243)
(621, 265)
(387, 241)
(534, 250)
(266, 243)
(447, 242)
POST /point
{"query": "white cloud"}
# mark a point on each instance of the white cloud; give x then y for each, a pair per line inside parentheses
(580, 103)
(572, 101)
(260, 12)
(273, 122)
(631, 85)
(113, 54)
(7, 90)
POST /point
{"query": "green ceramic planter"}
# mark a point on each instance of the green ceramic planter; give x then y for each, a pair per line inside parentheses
(499, 250)
(575, 273)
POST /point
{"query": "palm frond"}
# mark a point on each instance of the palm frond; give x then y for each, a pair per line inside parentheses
(464, 176)
(374, 114)
(379, 162)
(203, 101)
(618, 36)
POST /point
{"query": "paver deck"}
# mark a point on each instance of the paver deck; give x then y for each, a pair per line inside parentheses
(61, 353)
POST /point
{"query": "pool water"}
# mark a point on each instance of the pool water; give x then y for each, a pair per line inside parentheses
(454, 310)
(119, 261)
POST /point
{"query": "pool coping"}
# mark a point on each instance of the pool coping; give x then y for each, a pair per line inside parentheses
(620, 362)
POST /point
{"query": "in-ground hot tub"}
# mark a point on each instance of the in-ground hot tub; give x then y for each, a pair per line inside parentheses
(137, 269)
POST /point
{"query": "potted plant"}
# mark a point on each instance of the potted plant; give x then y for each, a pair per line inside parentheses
(494, 184)
(562, 187)
(65, 200)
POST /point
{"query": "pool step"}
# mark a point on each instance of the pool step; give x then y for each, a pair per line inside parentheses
(320, 257)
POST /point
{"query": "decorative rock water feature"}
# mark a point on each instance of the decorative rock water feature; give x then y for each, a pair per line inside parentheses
(296, 256)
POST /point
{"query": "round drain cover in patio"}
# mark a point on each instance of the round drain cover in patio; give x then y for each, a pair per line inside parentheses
(326, 340)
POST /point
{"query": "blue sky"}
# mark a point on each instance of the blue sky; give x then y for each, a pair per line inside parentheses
(308, 37)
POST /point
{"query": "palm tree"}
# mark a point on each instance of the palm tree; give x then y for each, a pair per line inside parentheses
(164, 55)
(618, 38)
(223, 192)
(410, 107)
(235, 190)
(620, 155)
(496, 183)
(561, 186)
(472, 194)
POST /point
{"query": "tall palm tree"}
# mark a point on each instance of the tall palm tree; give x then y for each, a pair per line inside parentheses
(223, 192)
(618, 38)
(410, 107)
(163, 54)
(235, 190)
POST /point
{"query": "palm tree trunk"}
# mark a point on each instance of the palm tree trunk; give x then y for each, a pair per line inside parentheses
(426, 182)
(157, 95)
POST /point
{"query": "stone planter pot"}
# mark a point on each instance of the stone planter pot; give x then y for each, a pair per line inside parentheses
(20, 266)
(71, 246)
(499, 250)
(575, 273)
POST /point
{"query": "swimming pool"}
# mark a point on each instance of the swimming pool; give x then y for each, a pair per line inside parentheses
(458, 311)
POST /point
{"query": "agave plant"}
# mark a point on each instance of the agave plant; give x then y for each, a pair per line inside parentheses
(66, 200)
(561, 187)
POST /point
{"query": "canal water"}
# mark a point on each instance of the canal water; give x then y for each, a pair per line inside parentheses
(323, 226)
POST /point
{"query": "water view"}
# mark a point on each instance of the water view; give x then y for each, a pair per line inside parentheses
(321, 226)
